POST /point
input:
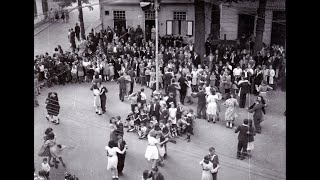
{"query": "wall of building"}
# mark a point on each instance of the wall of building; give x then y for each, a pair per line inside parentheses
(267, 27)
(135, 15)
(229, 23)
(166, 13)
(40, 16)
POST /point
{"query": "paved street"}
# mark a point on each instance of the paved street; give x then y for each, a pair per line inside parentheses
(86, 134)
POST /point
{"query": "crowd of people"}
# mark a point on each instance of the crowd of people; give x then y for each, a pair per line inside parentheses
(215, 79)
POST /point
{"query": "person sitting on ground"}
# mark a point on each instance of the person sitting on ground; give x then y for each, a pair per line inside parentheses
(142, 131)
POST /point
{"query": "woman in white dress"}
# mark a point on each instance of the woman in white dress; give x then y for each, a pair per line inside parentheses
(212, 106)
(152, 151)
(96, 99)
(207, 168)
(112, 150)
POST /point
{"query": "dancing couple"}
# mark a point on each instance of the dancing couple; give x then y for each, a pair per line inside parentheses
(100, 98)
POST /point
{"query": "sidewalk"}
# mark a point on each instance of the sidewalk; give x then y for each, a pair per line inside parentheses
(49, 35)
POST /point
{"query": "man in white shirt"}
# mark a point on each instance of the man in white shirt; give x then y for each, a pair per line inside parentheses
(237, 72)
(143, 96)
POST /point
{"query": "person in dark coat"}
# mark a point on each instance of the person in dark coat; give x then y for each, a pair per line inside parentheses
(258, 114)
(103, 97)
(183, 88)
(155, 108)
(242, 139)
(121, 157)
(244, 89)
(73, 39)
(132, 75)
(122, 87)
(77, 31)
(167, 80)
(156, 175)
(215, 161)
(53, 108)
(201, 108)
(196, 60)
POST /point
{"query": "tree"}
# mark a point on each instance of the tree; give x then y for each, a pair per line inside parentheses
(66, 3)
(260, 22)
(199, 35)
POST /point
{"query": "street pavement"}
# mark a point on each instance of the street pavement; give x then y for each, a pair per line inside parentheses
(86, 134)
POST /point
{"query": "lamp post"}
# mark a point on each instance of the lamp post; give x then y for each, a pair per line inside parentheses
(157, 45)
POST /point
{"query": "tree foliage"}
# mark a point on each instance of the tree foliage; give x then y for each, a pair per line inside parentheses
(66, 3)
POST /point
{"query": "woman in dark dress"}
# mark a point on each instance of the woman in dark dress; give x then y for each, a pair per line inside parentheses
(53, 108)
(121, 157)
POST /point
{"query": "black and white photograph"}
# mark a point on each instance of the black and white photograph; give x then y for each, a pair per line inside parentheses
(160, 89)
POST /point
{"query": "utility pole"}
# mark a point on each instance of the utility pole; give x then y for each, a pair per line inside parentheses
(157, 44)
(82, 30)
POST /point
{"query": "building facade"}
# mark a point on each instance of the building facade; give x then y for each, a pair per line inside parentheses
(240, 18)
(174, 17)
(41, 8)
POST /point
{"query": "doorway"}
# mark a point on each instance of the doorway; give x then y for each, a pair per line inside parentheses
(119, 23)
(278, 31)
(245, 25)
(148, 25)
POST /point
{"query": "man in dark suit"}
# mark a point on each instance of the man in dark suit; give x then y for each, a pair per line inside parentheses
(166, 56)
(73, 39)
(242, 139)
(103, 97)
(77, 31)
(215, 161)
(172, 88)
(132, 75)
(122, 87)
(196, 60)
(167, 80)
(257, 109)
(155, 108)
(244, 88)
(183, 88)
(201, 109)
(121, 157)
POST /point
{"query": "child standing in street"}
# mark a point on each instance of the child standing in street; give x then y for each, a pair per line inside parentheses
(45, 167)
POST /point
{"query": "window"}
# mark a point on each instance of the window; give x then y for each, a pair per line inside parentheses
(149, 15)
(35, 10)
(169, 28)
(119, 18)
(179, 16)
(179, 23)
(106, 13)
(189, 28)
(119, 14)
